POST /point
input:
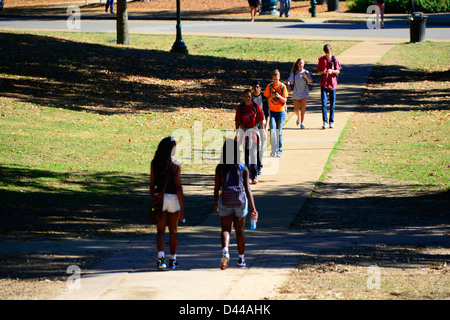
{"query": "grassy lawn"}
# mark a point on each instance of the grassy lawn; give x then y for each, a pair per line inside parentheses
(81, 118)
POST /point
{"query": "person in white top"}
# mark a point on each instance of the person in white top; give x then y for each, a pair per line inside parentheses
(299, 78)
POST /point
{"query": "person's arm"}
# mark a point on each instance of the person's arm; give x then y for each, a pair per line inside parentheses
(279, 96)
(248, 191)
(308, 77)
(152, 182)
(237, 117)
(289, 82)
(322, 66)
(217, 185)
(179, 188)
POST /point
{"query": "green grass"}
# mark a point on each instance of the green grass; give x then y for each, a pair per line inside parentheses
(81, 119)
(401, 130)
(260, 49)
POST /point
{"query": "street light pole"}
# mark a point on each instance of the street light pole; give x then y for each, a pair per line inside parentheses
(179, 46)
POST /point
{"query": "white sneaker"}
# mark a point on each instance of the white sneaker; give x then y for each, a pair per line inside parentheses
(297, 122)
(224, 261)
(241, 263)
(331, 125)
(325, 125)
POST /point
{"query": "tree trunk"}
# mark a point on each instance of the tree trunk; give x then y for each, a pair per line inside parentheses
(122, 23)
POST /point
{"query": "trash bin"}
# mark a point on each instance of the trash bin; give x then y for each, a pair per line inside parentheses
(333, 5)
(269, 7)
(417, 26)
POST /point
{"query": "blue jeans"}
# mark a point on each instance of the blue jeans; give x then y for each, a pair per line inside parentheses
(110, 3)
(285, 6)
(276, 131)
(324, 96)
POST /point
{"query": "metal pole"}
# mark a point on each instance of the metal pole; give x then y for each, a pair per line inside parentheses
(179, 46)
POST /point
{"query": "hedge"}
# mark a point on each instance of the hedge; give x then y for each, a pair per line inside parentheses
(402, 6)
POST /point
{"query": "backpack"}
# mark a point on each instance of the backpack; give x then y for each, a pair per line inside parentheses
(334, 65)
(233, 194)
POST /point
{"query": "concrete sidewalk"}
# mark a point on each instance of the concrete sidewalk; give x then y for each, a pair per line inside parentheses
(272, 250)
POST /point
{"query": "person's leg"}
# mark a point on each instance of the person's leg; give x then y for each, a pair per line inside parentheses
(280, 123)
(247, 157)
(227, 223)
(282, 6)
(160, 235)
(297, 111)
(173, 218)
(253, 155)
(332, 105)
(303, 109)
(287, 8)
(173, 231)
(273, 133)
(323, 96)
(239, 224)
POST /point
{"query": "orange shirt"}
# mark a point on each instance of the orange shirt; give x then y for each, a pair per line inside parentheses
(275, 104)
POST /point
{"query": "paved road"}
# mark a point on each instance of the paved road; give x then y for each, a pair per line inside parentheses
(309, 29)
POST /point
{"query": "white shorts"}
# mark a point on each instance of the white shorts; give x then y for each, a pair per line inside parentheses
(171, 203)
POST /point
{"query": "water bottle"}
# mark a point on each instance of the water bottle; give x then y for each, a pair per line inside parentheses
(253, 221)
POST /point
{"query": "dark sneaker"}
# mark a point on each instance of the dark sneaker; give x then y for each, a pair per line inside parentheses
(162, 264)
(173, 264)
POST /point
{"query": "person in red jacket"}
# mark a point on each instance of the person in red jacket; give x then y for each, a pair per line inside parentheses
(329, 68)
(248, 115)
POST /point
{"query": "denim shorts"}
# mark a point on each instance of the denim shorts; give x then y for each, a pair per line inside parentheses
(238, 212)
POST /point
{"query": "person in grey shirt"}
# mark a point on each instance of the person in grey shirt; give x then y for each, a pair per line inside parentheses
(299, 78)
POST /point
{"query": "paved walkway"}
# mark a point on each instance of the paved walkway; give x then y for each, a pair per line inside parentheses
(273, 249)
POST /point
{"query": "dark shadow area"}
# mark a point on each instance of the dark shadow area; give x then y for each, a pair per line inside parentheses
(78, 76)
(107, 207)
(381, 96)
(103, 204)
(390, 256)
(344, 207)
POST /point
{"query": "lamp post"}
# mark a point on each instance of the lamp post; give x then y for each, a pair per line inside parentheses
(313, 8)
(179, 46)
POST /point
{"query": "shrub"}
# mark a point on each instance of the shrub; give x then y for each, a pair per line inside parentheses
(402, 6)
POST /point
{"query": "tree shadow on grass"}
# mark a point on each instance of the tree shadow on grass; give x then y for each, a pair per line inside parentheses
(368, 206)
(54, 205)
(382, 98)
(79, 76)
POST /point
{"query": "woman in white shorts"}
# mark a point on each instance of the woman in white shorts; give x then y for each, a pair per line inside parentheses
(173, 206)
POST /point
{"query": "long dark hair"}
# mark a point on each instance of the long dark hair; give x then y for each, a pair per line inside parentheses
(230, 158)
(163, 157)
